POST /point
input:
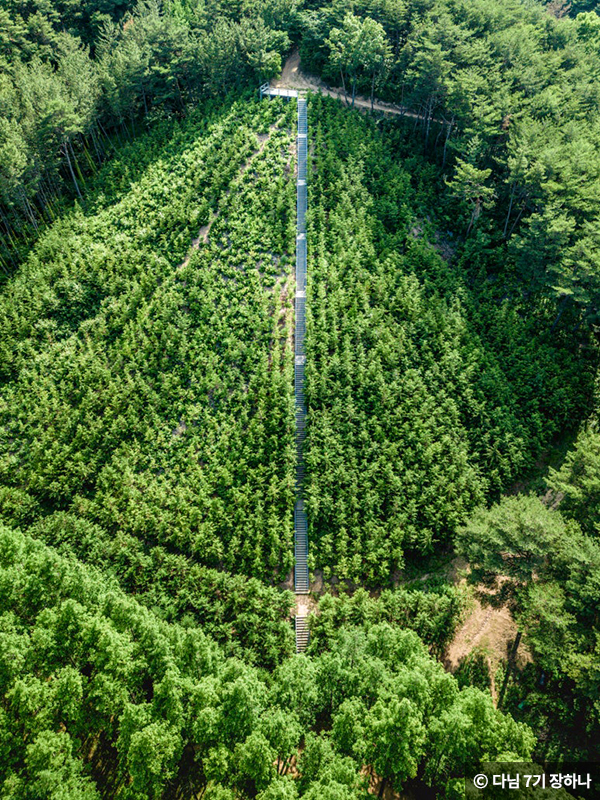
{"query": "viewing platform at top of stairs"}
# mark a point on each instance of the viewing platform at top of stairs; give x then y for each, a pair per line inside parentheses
(269, 91)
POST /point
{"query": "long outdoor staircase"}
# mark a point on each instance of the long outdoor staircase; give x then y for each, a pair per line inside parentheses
(301, 577)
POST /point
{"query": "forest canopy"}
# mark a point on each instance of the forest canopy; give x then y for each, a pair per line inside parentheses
(82, 667)
(433, 382)
(77, 79)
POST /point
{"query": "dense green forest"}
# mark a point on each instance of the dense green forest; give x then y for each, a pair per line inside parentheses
(77, 78)
(88, 674)
(155, 357)
(147, 455)
(432, 384)
(172, 404)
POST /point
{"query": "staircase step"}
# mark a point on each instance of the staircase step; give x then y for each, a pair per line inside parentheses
(302, 633)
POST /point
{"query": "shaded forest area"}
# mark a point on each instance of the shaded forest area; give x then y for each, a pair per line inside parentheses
(77, 80)
(515, 88)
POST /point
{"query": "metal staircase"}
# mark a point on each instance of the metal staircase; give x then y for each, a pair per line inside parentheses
(301, 579)
(302, 634)
(300, 549)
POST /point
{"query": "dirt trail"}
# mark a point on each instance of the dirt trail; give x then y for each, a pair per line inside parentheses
(203, 233)
(487, 627)
(292, 77)
(490, 630)
(305, 605)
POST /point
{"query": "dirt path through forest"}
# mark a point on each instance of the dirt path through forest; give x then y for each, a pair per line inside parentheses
(292, 77)
(305, 605)
(487, 629)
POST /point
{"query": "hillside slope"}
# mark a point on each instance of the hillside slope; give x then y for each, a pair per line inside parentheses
(433, 380)
(147, 388)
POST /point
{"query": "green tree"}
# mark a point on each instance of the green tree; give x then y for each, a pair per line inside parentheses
(577, 483)
(376, 55)
(359, 47)
(284, 789)
(396, 737)
(514, 538)
(283, 732)
(53, 772)
(253, 763)
(468, 184)
(345, 51)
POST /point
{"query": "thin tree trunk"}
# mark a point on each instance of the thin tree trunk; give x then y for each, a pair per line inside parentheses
(53, 184)
(450, 127)
(28, 209)
(181, 103)
(5, 220)
(79, 173)
(429, 116)
(96, 148)
(474, 216)
(561, 311)
(344, 86)
(91, 164)
(52, 193)
(372, 92)
(510, 205)
(107, 137)
(353, 90)
(42, 194)
(509, 667)
(13, 226)
(513, 226)
(66, 152)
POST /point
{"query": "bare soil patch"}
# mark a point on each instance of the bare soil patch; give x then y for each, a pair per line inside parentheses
(491, 631)
(292, 77)
(305, 605)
